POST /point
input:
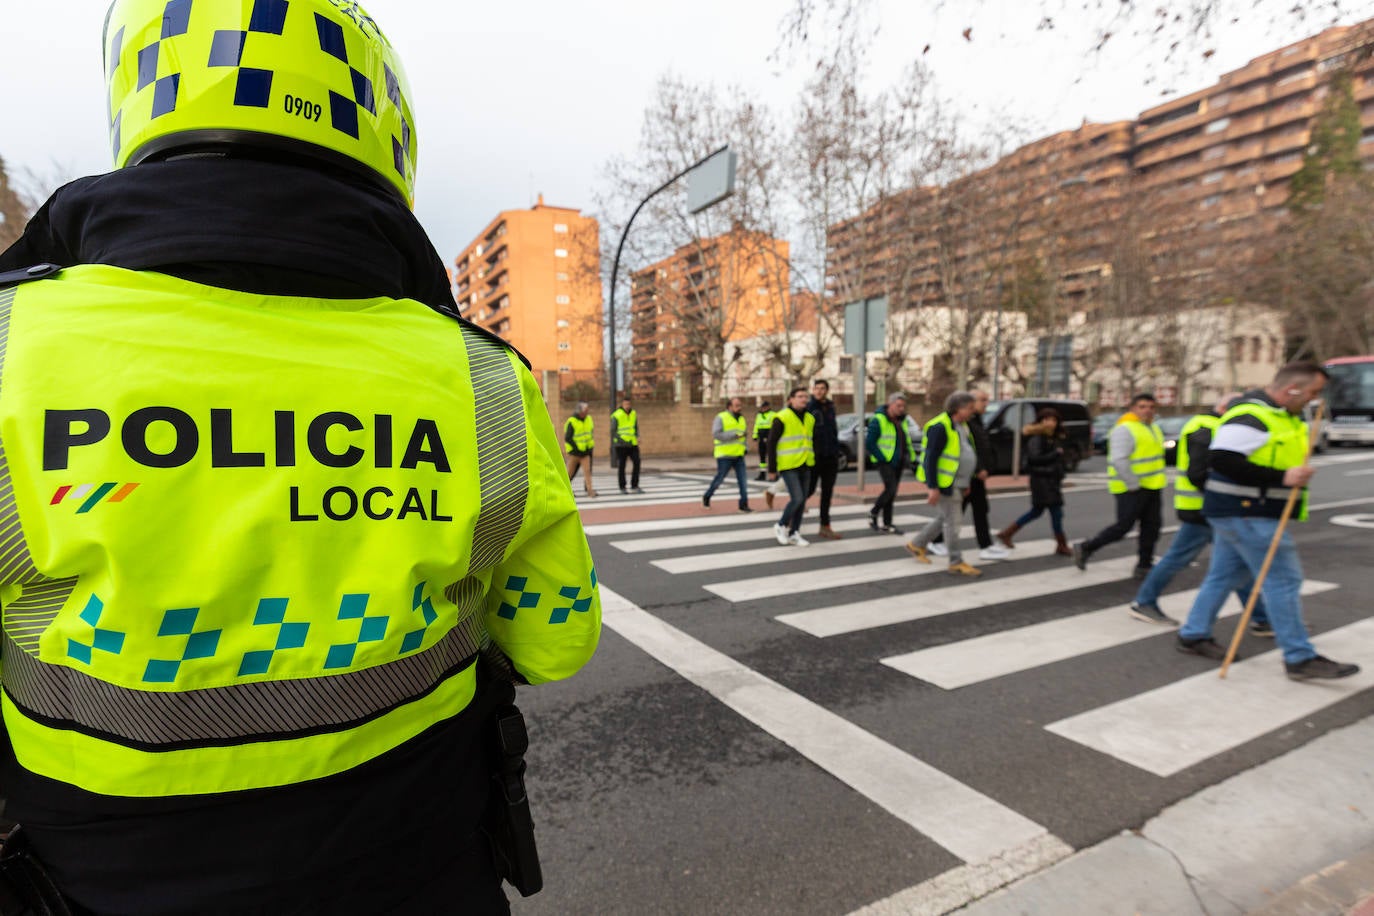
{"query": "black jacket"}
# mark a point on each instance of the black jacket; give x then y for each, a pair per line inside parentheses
(982, 444)
(273, 229)
(1044, 462)
(827, 436)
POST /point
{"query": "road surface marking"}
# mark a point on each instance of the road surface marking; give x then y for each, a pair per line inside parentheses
(820, 548)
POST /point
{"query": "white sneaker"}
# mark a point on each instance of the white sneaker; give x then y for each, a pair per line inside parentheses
(940, 550)
(995, 552)
(780, 533)
(796, 540)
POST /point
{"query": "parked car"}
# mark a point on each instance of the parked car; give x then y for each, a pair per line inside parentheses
(1102, 430)
(850, 429)
(1169, 426)
(1005, 419)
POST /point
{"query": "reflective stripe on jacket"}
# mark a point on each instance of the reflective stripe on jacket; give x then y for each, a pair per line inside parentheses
(1286, 447)
(1147, 458)
(795, 447)
(237, 553)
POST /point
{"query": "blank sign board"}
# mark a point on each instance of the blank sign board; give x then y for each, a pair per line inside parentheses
(711, 182)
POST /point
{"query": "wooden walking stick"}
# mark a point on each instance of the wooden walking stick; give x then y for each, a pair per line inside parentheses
(1273, 549)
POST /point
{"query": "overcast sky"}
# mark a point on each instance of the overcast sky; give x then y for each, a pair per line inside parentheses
(527, 96)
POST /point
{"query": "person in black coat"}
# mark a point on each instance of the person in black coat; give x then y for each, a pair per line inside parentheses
(1043, 458)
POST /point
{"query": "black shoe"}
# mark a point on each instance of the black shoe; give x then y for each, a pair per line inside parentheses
(762, 476)
(873, 523)
(745, 509)
(892, 529)
(1151, 614)
(1319, 666)
(1140, 572)
(1207, 648)
(706, 500)
(1080, 556)
(1262, 629)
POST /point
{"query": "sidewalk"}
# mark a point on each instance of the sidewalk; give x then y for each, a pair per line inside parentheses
(1294, 835)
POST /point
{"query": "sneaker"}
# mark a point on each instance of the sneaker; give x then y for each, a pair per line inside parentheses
(940, 550)
(963, 569)
(1319, 667)
(624, 492)
(1207, 648)
(1261, 628)
(873, 523)
(768, 498)
(796, 540)
(637, 490)
(1151, 614)
(995, 552)
(780, 533)
(1140, 572)
(706, 500)
(892, 529)
(830, 533)
(1080, 556)
(745, 509)
(917, 553)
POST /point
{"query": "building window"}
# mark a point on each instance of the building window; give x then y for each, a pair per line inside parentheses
(561, 276)
(1214, 152)
(561, 300)
(1237, 349)
(560, 227)
(562, 323)
(846, 365)
(1213, 177)
(1254, 349)
(1218, 125)
(564, 345)
(565, 368)
(1211, 200)
(560, 252)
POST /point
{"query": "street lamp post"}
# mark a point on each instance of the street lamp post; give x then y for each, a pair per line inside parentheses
(720, 184)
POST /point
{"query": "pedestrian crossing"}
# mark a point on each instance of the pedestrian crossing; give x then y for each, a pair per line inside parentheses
(674, 489)
(732, 559)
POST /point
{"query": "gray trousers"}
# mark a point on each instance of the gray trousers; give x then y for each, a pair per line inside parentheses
(951, 515)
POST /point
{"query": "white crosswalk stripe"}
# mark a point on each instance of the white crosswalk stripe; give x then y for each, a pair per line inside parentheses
(761, 532)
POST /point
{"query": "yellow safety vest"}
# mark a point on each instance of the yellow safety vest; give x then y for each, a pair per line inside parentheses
(1147, 458)
(739, 446)
(582, 434)
(763, 422)
(1187, 496)
(1286, 448)
(887, 439)
(626, 426)
(240, 551)
(947, 465)
(796, 448)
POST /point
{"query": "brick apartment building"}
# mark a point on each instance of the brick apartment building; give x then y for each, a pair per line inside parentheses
(686, 309)
(533, 277)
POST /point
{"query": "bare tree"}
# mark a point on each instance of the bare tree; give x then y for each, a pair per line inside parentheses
(15, 208)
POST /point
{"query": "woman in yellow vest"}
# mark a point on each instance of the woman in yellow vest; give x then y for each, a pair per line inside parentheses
(269, 503)
(728, 434)
(791, 458)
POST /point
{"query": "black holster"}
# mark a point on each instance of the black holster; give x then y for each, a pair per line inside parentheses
(508, 824)
(25, 888)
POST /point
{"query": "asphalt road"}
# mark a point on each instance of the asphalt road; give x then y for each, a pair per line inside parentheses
(784, 744)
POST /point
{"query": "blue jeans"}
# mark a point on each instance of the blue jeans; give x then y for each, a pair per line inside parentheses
(723, 466)
(796, 480)
(1238, 548)
(1056, 517)
(1186, 545)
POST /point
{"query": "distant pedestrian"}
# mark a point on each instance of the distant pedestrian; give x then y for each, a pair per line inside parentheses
(763, 422)
(790, 459)
(1043, 442)
(1258, 455)
(977, 495)
(1194, 532)
(578, 442)
(827, 452)
(729, 435)
(1136, 478)
(625, 442)
(946, 467)
(887, 441)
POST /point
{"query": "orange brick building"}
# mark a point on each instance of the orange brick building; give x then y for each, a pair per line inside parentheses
(533, 277)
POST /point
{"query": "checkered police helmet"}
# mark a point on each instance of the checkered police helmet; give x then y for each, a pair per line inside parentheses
(313, 77)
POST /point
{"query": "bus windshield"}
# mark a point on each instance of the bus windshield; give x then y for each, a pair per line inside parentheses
(1351, 387)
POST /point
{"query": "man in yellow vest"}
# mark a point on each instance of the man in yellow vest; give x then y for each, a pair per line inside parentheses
(1259, 454)
(281, 528)
(892, 450)
(728, 433)
(763, 422)
(947, 464)
(579, 441)
(1194, 534)
(1136, 479)
(625, 442)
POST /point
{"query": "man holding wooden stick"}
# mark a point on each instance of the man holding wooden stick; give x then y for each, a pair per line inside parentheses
(1258, 455)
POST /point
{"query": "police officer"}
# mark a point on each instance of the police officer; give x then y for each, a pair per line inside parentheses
(579, 440)
(254, 550)
(625, 442)
(1258, 455)
(763, 422)
(1136, 479)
